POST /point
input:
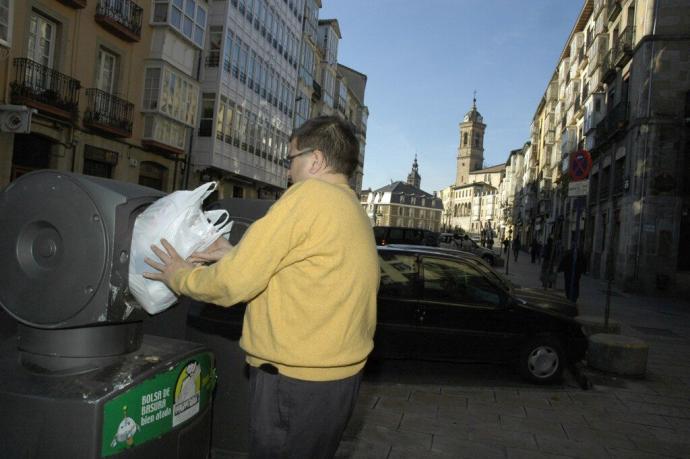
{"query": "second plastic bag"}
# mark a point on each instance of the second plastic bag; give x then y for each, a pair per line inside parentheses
(178, 218)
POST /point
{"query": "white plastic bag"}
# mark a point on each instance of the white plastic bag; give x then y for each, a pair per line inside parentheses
(178, 218)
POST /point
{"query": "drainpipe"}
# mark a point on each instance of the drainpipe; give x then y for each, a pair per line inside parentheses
(643, 190)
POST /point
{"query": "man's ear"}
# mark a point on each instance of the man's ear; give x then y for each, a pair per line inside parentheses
(318, 162)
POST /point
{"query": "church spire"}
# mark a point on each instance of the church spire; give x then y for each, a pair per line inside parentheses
(413, 178)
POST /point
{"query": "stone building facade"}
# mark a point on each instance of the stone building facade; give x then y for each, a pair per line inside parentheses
(471, 204)
(621, 91)
(403, 204)
(110, 85)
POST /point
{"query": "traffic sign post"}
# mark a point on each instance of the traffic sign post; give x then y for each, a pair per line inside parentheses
(580, 165)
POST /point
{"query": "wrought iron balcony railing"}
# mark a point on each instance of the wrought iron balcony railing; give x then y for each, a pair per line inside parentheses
(108, 113)
(121, 17)
(614, 121)
(623, 48)
(44, 88)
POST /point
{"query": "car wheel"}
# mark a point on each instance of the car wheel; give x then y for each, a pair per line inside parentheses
(489, 259)
(542, 360)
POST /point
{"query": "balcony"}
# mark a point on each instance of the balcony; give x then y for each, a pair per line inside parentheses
(608, 68)
(623, 48)
(120, 17)
(613, 123)
(76, 4)
(108, 113)
(45, 89)
(614, 8)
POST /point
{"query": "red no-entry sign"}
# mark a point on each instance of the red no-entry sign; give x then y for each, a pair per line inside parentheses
(580, 165)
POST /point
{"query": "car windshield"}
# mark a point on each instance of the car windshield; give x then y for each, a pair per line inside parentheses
(497, 278)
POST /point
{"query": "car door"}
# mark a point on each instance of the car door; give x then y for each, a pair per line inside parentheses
(456, 310)
(398, 300)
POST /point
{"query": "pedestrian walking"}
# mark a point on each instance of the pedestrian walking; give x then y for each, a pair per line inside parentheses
(309, 272)
(506, 246)
(533, 249)
(547, 276)
(570, 276)
(516, 247)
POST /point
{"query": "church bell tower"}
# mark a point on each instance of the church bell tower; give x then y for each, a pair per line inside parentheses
(471, 149)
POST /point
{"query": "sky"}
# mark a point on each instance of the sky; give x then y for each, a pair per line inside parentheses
(424, 59)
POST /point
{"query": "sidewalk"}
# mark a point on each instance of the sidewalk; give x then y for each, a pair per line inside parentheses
(444, 411)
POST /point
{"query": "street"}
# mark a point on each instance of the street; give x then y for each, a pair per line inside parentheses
(422, 409)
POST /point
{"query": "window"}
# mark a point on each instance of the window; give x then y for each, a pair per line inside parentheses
(186, 16)
(6, 22)
(216, 42)
(227, 123)
(399, 274)
(99, 162)
(464, 141)
(151, 88)
(206, 122)
(178, 97)
(107, 67)
(41, 44)
(152, 175)
(219, 118)
(450, 280)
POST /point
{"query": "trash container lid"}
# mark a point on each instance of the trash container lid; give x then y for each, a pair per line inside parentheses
(53, 248)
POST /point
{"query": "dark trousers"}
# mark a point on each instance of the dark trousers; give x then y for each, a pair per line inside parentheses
(571, 293)
(292, 418)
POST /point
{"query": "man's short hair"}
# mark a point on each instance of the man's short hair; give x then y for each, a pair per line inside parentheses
(334, 137)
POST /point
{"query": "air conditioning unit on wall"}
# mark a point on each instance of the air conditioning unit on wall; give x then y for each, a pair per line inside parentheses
(15, 119)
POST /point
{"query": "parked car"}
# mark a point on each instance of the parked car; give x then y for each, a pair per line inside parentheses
(401, 235)
(438, 305)
(466, 244)
(442, 304)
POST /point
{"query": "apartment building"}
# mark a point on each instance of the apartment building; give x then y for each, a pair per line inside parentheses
(621, 91)
(100, 87)
(248, 84)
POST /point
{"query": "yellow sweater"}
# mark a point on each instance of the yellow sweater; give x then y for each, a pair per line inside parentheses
(309, 272)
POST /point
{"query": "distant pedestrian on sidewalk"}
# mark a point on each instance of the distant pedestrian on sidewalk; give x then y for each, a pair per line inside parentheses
(534, 250)
(572, 278)
(506, 246)
(547, 276)
(516, 247)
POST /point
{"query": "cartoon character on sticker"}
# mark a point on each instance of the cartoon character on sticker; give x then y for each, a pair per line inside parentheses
(125, 431)
(187, 393)
(190, 381)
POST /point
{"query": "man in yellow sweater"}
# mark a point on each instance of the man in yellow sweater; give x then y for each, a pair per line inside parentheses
(309, 272)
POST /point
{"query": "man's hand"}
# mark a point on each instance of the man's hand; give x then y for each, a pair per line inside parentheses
(213, 253)
(171, 262)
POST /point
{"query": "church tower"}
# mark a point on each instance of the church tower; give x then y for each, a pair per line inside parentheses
(471, 150)
(413, 177)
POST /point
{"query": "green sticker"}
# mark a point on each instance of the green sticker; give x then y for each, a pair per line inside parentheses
(157, 405)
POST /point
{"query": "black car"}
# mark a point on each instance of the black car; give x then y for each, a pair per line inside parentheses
(440, 304)
(385, 235)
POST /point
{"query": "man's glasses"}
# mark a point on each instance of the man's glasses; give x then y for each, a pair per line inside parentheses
(288, 161)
